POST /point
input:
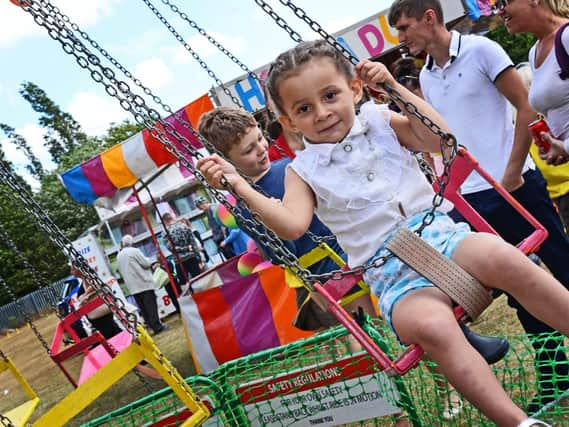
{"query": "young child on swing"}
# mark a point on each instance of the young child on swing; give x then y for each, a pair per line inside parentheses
(236, 134)
(358, 175)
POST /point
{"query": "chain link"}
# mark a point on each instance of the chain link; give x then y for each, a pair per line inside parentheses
(192, 52)
(5, 421)
(210, 39)
(58, 239)
(27, 317)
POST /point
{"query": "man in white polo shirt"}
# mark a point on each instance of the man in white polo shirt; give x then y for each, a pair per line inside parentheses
(469, 79)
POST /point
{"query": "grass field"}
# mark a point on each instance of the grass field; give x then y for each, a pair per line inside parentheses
(51, 385)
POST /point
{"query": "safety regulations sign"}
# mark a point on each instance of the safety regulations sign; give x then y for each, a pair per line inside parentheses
(347, 390)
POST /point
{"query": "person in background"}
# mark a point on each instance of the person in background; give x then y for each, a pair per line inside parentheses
(101, 318)
(218, 233)
(549, 92)
(557, 177)
(199, 241)
(237, 239)
(136, 271)
(183, 242)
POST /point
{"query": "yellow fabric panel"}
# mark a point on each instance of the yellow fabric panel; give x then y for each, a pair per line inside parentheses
(557, 177)
(116, 168)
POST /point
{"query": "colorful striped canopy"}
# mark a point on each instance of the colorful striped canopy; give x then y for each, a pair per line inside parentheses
(122, 165)
(220, 324)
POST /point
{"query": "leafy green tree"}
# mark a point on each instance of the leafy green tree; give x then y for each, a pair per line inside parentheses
(35, 166)
(63, 132)
(516, 45)
(29, 239)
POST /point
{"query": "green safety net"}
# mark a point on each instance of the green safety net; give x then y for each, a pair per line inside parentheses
(325, 380)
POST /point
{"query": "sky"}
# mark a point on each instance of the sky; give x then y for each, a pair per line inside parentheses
(130, 32)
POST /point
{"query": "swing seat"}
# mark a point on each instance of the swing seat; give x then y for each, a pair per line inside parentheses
(99, 356)
(97, 350)
(20, 415)
(463, 165)
(341, 287)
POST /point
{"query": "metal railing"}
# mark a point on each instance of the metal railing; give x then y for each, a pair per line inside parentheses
(36, 303)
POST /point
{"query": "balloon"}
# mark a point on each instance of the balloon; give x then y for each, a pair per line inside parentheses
(216, 217)
(262, 266)
(247, 263)
(251, 246)
(231, 199)
(225, 217)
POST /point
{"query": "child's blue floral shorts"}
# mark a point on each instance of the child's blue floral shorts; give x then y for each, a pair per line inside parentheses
(394, 279)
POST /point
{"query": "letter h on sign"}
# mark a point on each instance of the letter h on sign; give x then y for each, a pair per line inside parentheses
(245, 95)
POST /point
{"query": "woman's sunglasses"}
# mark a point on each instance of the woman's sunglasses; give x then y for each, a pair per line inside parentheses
(500, 5)
(408, 81)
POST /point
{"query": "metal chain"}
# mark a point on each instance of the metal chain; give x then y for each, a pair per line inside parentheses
(37, 277)
(150, 118)
(192, 52)
(210, 39)
(116, 305)
(448, 141)
(57, 237)
(47, 18)
(5, 421)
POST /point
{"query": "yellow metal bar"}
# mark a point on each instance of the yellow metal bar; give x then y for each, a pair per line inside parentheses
(317, 254)
(92, 388)
(141, 348)
(9, 365)
(154, 356)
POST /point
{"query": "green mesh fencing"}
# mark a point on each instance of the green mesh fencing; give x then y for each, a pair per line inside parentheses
(164, 408)
(325, 381)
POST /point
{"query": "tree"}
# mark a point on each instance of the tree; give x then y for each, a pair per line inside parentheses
(30, 240)
(63, 132)
(35, 166)
(516, 45)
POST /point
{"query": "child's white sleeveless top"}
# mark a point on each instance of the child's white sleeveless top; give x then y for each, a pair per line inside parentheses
(364, 185)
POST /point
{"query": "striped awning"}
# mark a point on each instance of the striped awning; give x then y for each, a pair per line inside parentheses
(122, 165)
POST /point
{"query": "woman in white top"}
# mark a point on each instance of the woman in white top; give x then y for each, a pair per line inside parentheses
(549, 92)
(358, 174)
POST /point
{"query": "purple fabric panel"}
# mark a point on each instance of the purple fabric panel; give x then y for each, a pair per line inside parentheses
(251, 314)
(228, 270)
(100, 182)
(176, 120)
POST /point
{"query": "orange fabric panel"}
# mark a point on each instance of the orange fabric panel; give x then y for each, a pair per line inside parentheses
(283, 302)
(195, 109)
